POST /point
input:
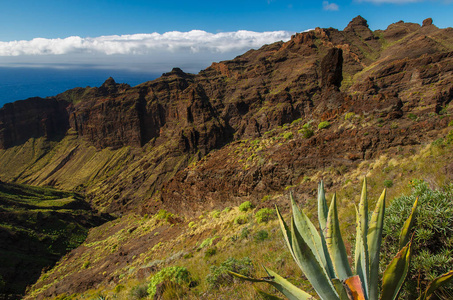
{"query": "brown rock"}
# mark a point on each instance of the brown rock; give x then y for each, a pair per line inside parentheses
(427, 22)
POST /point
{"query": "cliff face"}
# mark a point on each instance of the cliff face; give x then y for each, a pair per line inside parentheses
(142, 136)
(32, 118)
(282, 116)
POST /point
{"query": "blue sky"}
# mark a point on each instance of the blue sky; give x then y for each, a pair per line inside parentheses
(142, 35)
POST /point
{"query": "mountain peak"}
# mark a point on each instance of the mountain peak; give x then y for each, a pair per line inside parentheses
(358, 21)
(109, 82)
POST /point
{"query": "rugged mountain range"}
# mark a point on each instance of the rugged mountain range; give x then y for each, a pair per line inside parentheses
(240, 129)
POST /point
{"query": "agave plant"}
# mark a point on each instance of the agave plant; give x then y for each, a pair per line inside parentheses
(323, 259)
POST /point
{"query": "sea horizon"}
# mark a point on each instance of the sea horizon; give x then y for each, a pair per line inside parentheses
(23, 83)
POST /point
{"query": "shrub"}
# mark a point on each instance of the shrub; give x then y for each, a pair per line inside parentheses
(245, 233)
(451, 123)
(323, 125)
(349, 115)
(139, 291)
(216, 214)
(241, 219)
(178, 275)
(261, 236)
(306, 132)
(433, 247)
(218, 275)
(164, 215)
(388, 183)
(210, 252)
(207, 242)
(288, 135)
(86, 264)
(246, 206)
(264, 215)
(118, 288)
(192, 224)
(412, 117)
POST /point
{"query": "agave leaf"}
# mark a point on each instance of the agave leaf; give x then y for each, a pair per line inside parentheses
(361, 249)
(311, 266)
(266, 296)
(323, 209)
(287, 288)
(396, 273)
(323, 212)
(354, 288)
(435, 284)
(405, 231)
(311, 236)
(335, 243)
(340, 288)
(374, 245)
(360, 264)
(286, 233)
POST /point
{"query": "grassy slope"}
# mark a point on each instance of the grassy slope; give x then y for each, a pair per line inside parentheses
(37, 226)
(150, 243)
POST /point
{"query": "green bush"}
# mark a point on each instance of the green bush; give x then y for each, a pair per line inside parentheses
(178, 275)
(216, 214)
(323, 125)
(210, 252)
(264, 215)
(207, 242)
(226, 210)
(164, 215)
(433, 246)
(451, 123)
(288, 135)
(306, 132)
(349, 115)
(246, 206)
(412, 117)
(139, 291)
(261, 236)
(245, 233)
(388, 183)
(241, 219)
(118, 288)
(218, 275)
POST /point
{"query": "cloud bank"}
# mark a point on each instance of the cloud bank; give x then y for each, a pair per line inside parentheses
(195, 41)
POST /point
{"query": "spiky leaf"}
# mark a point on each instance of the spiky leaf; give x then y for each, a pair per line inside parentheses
(311, 236)
(311, 266)
(335, 244)
(284, 286)
(361, 250)
(435, 284)
(405, 231)
(374, 236)
(340, 288)
(396, 273)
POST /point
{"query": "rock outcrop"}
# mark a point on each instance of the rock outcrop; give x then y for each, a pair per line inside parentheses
(145, 135)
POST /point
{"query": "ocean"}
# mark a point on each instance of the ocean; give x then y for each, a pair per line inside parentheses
(23, 83)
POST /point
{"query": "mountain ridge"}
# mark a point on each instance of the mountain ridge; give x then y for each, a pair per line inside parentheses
(277, 118)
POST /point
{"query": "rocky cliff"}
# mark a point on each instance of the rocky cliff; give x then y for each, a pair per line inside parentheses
(280, 117)
(126, 144)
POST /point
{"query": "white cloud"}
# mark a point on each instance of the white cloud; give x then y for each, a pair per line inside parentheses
(194, 41)
(329, 6)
